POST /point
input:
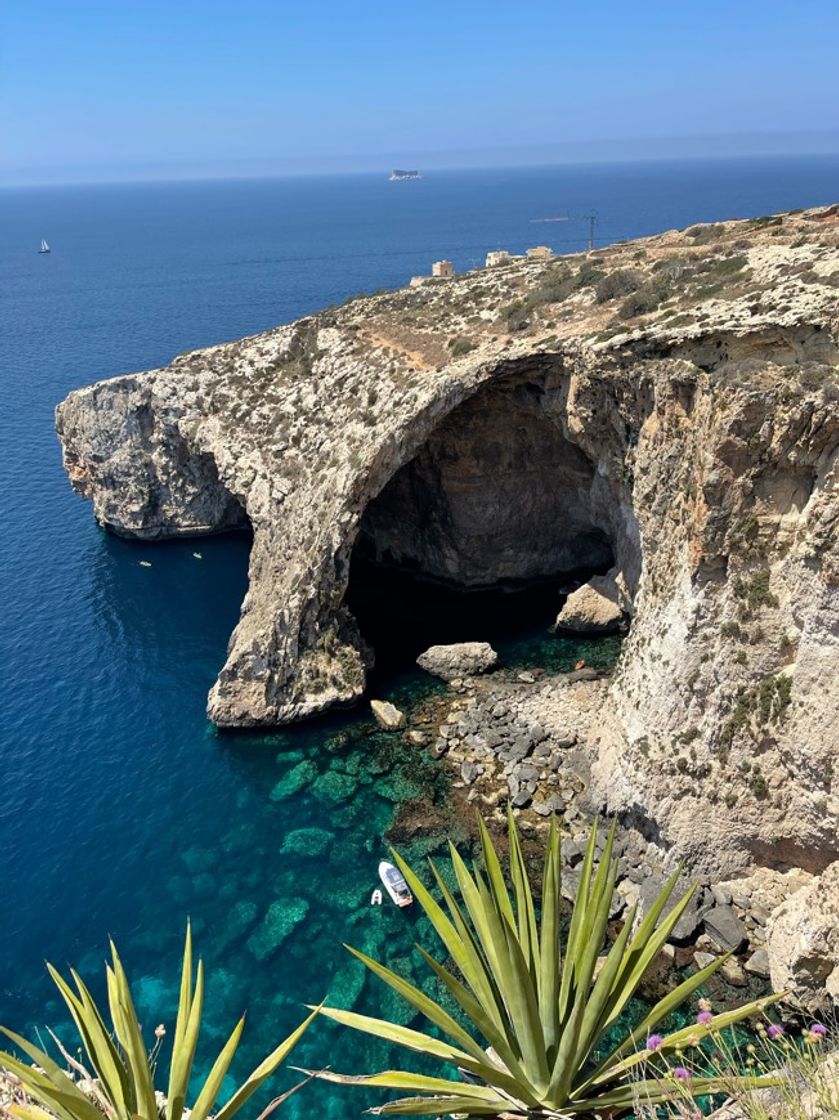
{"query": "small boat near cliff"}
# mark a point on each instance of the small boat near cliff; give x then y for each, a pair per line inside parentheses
(394, 883)
(43, 248)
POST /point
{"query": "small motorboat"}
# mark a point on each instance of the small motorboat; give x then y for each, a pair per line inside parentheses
(394, 883)
(376, 897)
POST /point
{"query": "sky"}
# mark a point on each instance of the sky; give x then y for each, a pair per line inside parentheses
(146, 89)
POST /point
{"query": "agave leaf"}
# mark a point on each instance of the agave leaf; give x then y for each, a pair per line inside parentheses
(53, 1087)
(184, 1047)
(549, 950)
(495, 875)
(110, 1069)
(402, 1036)
(422, 1003)
(659, 1089)
(131, 1040)
(474, 1011)
(176, 1091)
(264, 1070)
(461, 948)
(525, 911)
(212, 1086)
(440, 1088)
(440, 1106)
(477, 972)
(576, 930)
(510, 971)
(29, 1112)
(101, 1053)
(608, 1072)
(592, 1023)
(597, 918)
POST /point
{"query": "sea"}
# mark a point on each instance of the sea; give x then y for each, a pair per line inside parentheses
(122, 811)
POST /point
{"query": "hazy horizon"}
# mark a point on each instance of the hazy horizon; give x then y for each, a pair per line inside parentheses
(96, 92)
(722, 148)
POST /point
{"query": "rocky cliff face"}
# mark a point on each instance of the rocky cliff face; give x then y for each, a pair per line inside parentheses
(667, 408)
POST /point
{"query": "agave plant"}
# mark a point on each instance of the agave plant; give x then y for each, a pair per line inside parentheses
(119, 1080)
(538, 1019)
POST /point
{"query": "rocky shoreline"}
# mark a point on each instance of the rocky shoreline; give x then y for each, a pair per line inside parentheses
(517, 737)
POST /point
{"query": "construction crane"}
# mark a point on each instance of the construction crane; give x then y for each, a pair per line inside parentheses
(590, 218)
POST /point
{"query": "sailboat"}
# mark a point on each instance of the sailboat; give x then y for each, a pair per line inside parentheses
(44, 247)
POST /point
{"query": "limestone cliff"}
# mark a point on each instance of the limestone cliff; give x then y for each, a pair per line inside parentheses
(666, 407)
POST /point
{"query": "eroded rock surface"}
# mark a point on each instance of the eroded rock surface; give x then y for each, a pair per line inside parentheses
(803, 943)
(460, 659)
(684, 433)
(598, 607)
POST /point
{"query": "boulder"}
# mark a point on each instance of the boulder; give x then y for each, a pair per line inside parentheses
(803, 943)
(595, 608)
(758, 964)
(724, 928)
(458, 660)
(688, 923)
(387, 715)
(470, 770)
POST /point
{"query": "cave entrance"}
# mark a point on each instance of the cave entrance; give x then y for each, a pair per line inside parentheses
(477, 536)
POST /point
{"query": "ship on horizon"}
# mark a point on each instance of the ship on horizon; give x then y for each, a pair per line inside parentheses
(398, 175)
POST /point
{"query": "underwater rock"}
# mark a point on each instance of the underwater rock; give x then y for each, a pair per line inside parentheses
(334, 786)
(283, 915)
(297, 778)
(387, 715)
(306, 841)
(461, 659)
(348, 983)
(199, 859)
(240, 918)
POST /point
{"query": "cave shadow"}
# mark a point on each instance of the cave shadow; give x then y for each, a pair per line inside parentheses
(400, 614)
(482, 534)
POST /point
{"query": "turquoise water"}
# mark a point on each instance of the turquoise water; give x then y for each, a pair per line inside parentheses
(121, 810)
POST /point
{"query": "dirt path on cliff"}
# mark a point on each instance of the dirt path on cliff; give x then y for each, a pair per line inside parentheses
(415, 356)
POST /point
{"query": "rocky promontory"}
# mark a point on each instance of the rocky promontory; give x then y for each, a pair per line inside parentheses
(664, 409)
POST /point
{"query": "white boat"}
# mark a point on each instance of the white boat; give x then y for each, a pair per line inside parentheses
(394, 883)
(376, 897)
(44, 247)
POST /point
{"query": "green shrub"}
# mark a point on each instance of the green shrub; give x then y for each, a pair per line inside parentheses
(646, 299)
(460, 346)
(619, 283)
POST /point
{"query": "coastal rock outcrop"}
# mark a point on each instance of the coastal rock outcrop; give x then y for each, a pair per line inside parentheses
(387, 715)
(803, 943)
(461, 659)
(517, 424)
(598, 607)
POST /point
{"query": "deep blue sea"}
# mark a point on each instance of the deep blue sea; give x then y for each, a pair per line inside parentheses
(121, 810)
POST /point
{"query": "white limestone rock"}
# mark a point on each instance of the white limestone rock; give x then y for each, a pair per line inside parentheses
(461, 659)
(387, 715)
(803, 943)
(598, 607)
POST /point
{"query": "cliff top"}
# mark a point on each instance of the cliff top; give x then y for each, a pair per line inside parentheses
(661, 294)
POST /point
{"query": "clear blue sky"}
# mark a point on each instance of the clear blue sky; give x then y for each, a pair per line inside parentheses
(91, 89)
